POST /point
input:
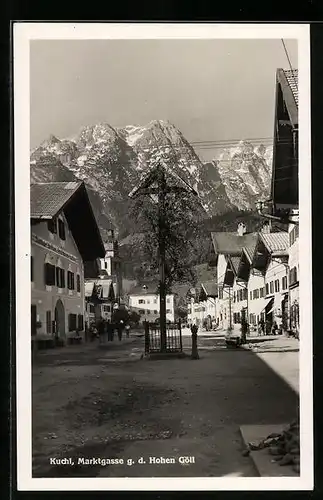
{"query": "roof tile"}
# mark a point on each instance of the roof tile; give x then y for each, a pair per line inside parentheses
(47, 199)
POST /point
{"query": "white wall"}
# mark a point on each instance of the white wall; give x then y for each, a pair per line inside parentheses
(237, 305)
(45, 297)
(222, 304)
(255, 306)
(275, 272)
(147, 305)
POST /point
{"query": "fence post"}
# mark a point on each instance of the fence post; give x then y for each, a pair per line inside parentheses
(146, 337)
(180, 334)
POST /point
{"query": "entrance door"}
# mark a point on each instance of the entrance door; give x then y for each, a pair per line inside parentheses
(33, 320)
(59, 320)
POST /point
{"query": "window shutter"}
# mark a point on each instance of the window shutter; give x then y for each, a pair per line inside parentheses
(78, 280)
(48, 322)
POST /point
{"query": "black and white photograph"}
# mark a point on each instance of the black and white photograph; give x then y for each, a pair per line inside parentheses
(163, 256)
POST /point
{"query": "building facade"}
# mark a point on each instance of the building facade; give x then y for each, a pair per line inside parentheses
(58, 251)
(293, 260)
(145, 301)
(227, 249)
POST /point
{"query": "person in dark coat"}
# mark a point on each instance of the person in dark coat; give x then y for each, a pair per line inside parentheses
(101, 329)
(120, 330)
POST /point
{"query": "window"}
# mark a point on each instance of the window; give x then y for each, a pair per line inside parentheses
(271, 287)
(48, 322)
(70, 280)
(91, 308)
(155, 301)
(141, 311)
(148, 312)
(284, 282)
(105, 265)
(80, 323)
(106, 308)
(245, 293)
(71, 322)
(250, 295)
(220, 293)
(52, 226)
(148, 301)
(61, 229)
(141, 301)
(156, 312)
(276, 285)
(293, 276)
(49, 274)
(168, 301)
(60, 277)
(78, 282)
(32, 268)
(267, 288)
(261, 292)
(168, 311)
(293, 235)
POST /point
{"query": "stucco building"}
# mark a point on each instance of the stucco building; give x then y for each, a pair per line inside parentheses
(64, 235)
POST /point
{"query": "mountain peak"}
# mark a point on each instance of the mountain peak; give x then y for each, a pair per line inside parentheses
(52, 140)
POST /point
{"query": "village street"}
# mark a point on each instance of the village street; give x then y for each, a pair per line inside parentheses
(108, 402)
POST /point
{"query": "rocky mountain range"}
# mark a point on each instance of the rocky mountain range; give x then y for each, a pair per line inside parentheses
(112, 160)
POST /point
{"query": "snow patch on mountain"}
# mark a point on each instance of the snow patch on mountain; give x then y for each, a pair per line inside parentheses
(112, 160)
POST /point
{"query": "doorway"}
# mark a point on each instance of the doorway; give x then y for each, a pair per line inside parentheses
(59, 320)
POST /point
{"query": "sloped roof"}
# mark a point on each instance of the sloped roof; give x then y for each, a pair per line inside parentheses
(229, 243)
(105, 288)
(150, 290)
(48, 199)
(211, 288)
(275, 242)
(292, 78)
(249, 251)
(235, 260)
(288, 81)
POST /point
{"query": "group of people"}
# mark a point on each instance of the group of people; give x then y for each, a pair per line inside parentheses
(106, 329)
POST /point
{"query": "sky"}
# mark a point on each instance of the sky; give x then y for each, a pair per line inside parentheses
(212, 90)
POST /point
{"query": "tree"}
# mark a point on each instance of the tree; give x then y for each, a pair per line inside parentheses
(182, 216)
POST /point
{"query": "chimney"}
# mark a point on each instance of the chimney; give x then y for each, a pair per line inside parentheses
(241, 229)
(266, 228)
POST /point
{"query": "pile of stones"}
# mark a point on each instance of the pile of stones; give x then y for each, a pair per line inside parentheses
(284, 446)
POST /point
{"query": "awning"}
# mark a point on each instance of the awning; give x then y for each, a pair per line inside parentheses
(271, 310)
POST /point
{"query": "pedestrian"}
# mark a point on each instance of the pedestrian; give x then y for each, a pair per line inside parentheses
(109, 331)
(101, 328)
(194, 330)
(119, 329)
(127, 330)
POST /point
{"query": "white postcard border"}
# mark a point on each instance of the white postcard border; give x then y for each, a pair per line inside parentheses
(23, 33)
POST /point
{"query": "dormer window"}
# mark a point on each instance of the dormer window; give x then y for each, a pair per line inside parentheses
(52, 226)
(61, 229)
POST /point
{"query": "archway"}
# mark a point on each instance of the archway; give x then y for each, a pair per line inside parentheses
(59, 320)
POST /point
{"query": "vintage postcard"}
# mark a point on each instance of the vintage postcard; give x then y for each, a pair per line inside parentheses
(163, 256)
